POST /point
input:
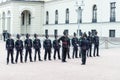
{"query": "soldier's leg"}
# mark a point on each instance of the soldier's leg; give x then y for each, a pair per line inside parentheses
(63, 53)
(76, 52)
(12, 58)
(54, 54)
(83, 57)
(73, 52)
(4, 38)
(39, 58)
(69, 53)
(35, 55)
(58, 53)
(94, 50)
(97, 50)
(80, 53)
(45, 55)
(26, 54)
(90, 51)
(49, 54)
(30, 55)
(8, 53)
(17, 56)
(21, 58)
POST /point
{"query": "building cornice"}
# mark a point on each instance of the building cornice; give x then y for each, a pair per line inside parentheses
(83, 23)
(13, 1)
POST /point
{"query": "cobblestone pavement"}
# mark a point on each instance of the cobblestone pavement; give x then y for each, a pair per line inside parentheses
(105, 67)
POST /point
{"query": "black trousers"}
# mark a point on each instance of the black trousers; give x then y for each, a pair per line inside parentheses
(96, 48)
(80, 52)
(75, 52)
(10, 52)
(4, 38)
(30, 54)
(64, 53)
(89, 53)
(83, 53)
(37, 51)
(56, 51)
(21, 58)
(68, 53)
(47, 51)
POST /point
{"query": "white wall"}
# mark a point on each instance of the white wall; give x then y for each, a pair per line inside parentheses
(16, 8)
(103, 24)
(38, 11)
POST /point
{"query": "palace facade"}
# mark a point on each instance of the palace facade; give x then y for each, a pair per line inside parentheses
(53, 17)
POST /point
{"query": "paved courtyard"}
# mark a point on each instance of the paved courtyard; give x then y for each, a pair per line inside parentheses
(105, 67)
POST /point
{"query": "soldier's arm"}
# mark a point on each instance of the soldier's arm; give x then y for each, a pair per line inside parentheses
(72, 42)
(59, 39)
(54, 44)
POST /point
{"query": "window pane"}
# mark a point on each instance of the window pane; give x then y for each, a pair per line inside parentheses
(112, 12)
(94, 19)
(46, 32)
(111, 33)
(47, 17)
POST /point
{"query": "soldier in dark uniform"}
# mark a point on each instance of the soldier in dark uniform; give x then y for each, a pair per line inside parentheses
(4, 34)
(89, 38)
(79, 41)
(28, 47)
(96, 45)
(56, 47)
(19, 48)
(75, 46)
(37, 46)
(65, 45)
(10, 48)
(47, 46)
(84, 46)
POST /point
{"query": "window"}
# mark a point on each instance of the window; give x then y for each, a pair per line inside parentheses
(112, 12)
(46, 32)
(67, 16)
(111, 33)
(55, 32)
(56, 17)
(47, 17)
(23, 18)
(29, 20)
(3, 20)
(80, 15)
(94, 18)
(8, 21)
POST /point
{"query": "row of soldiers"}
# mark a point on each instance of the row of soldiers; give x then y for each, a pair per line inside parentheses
(85, 44)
